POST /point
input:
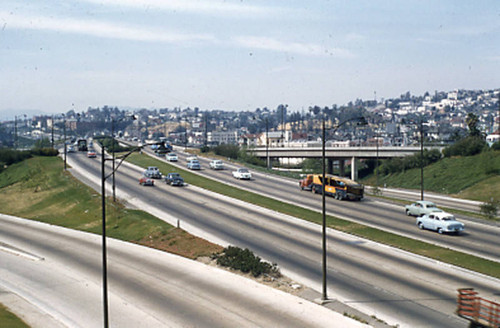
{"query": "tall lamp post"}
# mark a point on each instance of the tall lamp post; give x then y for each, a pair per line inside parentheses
(113, 121)
(267, 143)
(421, 159)
(64, 141)
(361, 121)
(421, 131)
(103, 205)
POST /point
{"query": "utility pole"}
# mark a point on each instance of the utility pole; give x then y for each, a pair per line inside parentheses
(52, 132)
(15, 132)
(206, 128)
(64, 128)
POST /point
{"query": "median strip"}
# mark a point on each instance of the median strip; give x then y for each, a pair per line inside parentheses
(442, 254)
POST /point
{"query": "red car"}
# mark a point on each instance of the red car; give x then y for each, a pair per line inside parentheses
(91, 154)
(144, 181)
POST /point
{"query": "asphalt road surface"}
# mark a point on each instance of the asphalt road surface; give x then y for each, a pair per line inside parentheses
(58, 272)
(395, 286)
(479, 239)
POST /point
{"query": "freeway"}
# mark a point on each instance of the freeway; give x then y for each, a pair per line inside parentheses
(58, 272)
(479, 239)
(395, 286)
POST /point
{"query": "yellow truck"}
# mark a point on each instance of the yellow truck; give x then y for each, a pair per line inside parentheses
(335, 186)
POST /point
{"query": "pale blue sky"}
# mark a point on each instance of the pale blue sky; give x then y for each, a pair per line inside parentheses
(240, 55)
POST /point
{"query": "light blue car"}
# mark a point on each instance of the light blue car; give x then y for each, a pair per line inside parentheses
(194, 165)
(441, 222)
(421, 207)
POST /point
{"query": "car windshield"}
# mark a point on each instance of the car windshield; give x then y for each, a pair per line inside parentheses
(448, 218)
(174, 175)
(243, 170)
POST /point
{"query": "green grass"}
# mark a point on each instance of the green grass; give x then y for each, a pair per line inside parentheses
(39, 189)
(436, 252)
(10, 320)
(474, 177)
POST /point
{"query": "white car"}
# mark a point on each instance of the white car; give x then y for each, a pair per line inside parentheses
(171, 157)
(216, 164)
(242, 173)
(441, 222)
(152, 172)
(191, 158)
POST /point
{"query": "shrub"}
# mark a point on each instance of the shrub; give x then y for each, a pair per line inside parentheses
(230, 151)
(395, 165)
(466, 147)
(496, 146)
(45, 152)
(490, 209)
(245, 261)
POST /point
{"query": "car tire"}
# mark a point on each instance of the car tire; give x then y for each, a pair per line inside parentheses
(440, 231)
(408, 212)
(314, 190)
(421, 226)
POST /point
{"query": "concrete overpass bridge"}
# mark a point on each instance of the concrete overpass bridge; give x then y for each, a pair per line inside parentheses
(340, 154)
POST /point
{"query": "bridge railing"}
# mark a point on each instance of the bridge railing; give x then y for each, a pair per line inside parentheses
(477, 309)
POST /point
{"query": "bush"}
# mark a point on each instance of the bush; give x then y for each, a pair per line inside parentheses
(10, 156)
(312, 165)
(245, 261)
(205, 149)
(107, 142)
(496, 146)
(395, 165)
(230, 151)
(469, 146)
(45, 152)
(490, 209)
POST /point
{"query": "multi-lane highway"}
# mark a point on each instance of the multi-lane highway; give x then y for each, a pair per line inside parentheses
(58, 272)
(393, 285)
(479, 239)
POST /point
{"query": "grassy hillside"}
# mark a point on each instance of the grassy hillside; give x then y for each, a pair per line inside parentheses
(475, 177)
(39, 189)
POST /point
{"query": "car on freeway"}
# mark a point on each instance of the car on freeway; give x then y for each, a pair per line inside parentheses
(152, 172)
(91, 153)
(441, 222)
(216, 164)
(194, 165)
(191, 158)
(174, 179)
(172, 157)
(145, 181)
(71, 149)
(421, 207)
(242, 173)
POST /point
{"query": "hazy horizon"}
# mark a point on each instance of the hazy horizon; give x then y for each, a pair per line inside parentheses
(235, 55)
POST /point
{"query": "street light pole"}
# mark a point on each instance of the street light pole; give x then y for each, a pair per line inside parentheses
(113, 155)
(267, 143)
(104, 252)
(362, 121)
(324, 296)
(421, 160)
(65, 151)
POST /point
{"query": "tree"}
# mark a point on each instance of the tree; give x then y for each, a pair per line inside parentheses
(472, 121)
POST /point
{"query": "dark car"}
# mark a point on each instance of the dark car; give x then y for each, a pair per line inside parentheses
(174, 179)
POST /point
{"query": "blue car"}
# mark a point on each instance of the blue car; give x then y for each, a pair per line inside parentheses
(441, 222)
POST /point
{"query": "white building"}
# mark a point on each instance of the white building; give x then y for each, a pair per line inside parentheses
(222, 137)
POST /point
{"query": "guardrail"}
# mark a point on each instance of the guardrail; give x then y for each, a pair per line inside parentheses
(477, 310)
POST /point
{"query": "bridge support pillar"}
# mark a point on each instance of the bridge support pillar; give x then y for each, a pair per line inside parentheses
(354, 169)
(342, 167)
(329, 166)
